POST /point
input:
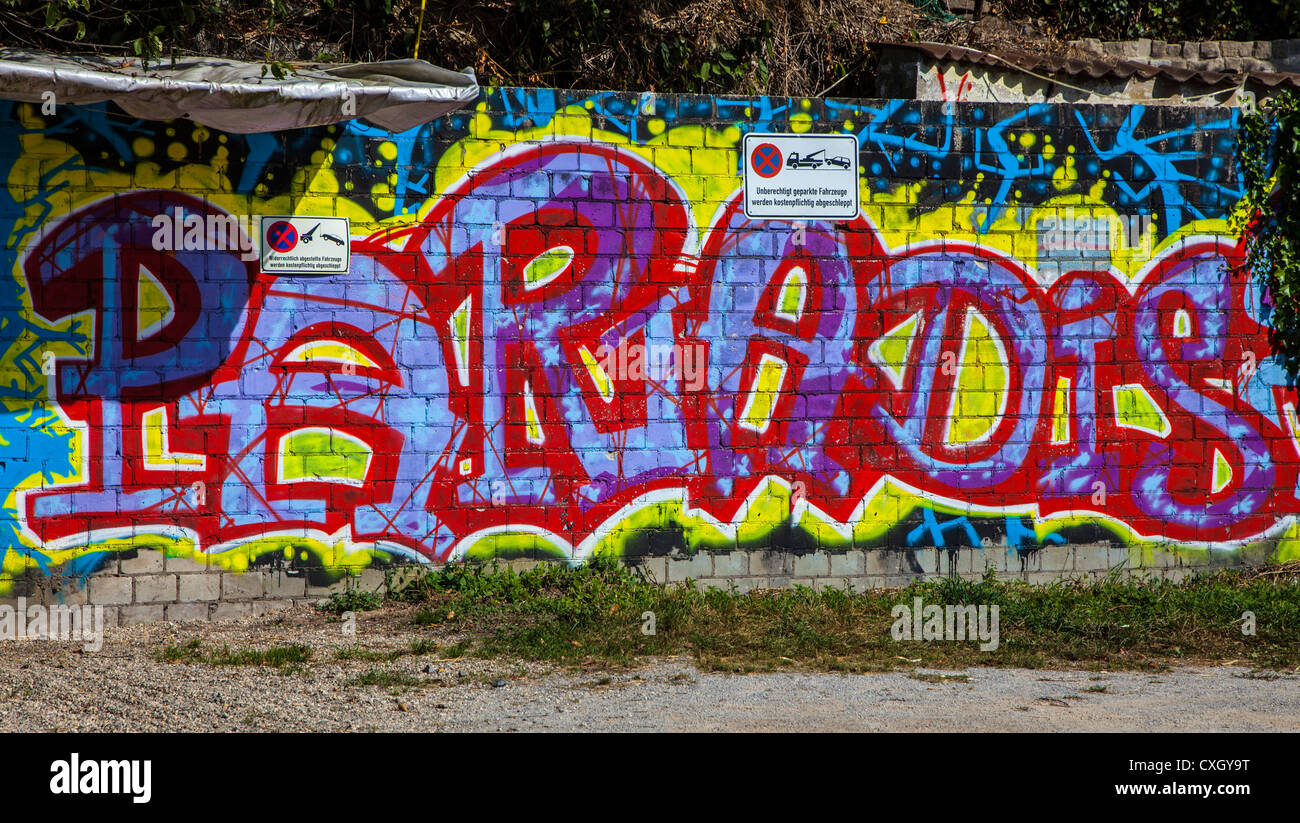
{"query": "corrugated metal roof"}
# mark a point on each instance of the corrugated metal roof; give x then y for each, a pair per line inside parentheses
(239, 97)
(1093, 66)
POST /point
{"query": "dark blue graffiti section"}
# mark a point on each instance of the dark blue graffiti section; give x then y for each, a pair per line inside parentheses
(1173, 165)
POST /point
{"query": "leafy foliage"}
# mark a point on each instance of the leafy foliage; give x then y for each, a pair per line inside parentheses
(1268, 154)
(352, 600)
(778, 47)
(1172, 20)
(141, 28)
(774, 47)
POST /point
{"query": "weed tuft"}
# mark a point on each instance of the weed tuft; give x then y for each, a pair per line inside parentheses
(353, 600)
(292, 655)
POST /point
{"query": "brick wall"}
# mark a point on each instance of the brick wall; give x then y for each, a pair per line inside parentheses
(560, 337)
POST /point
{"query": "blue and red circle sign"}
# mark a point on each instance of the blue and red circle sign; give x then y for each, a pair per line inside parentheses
(282, 236)
(765, 160)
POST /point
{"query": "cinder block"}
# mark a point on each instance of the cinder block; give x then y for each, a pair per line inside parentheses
(823, 583)
(371, 580)
(111, 617)
(199, 587)
(882, 562)
(522, 564)
(1020, 562)
(109, 565)
(930, 561)
(71, 594)
(110, 590)
(263, 607)
(898, 581)
(318, 592)
(769, 563)
(146, 561)
(1118, 573)
(731, 564)
(954, 561)
(186, 565)
(848, 564)
(1041, 578)
(696, 567)
(816, 564)
(283, 586)
(983, 560)
(247, 586)
(1157, 556)
(230, 611)
(132, 615)
(655, 568)
(155, 588)
(188, 612)
(1055, 558)
(1119, 556)
(958, 561)
(1092, 557)
(1178, 575)
(745, 585)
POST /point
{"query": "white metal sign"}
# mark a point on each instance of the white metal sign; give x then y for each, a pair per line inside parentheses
(801, 176)
(305, 245)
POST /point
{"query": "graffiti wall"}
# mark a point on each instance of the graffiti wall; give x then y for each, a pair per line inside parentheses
(559, 334)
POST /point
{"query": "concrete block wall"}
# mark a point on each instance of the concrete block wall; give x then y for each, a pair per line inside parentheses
(560, 337)
(153, 587)
(150, 586)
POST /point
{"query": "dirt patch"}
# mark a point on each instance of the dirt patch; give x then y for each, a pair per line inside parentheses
(57, 686)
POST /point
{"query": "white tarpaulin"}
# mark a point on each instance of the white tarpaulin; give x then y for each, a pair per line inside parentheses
(234, 96)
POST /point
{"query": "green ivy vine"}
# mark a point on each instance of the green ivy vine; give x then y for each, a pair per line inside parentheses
(1268, 216)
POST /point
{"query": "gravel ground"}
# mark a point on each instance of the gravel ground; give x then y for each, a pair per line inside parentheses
(56, 686)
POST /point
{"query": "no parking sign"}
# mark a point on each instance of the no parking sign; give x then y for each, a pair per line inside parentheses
(310, 246)
(801, 176)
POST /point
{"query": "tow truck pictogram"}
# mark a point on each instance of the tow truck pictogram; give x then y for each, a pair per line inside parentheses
(810, 161)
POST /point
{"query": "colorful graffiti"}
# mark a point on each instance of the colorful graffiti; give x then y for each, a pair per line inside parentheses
(560, 333)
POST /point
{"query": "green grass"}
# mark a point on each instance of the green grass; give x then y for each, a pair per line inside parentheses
(276, 656)
(418, 647)
(931, 677)
(593, 614)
